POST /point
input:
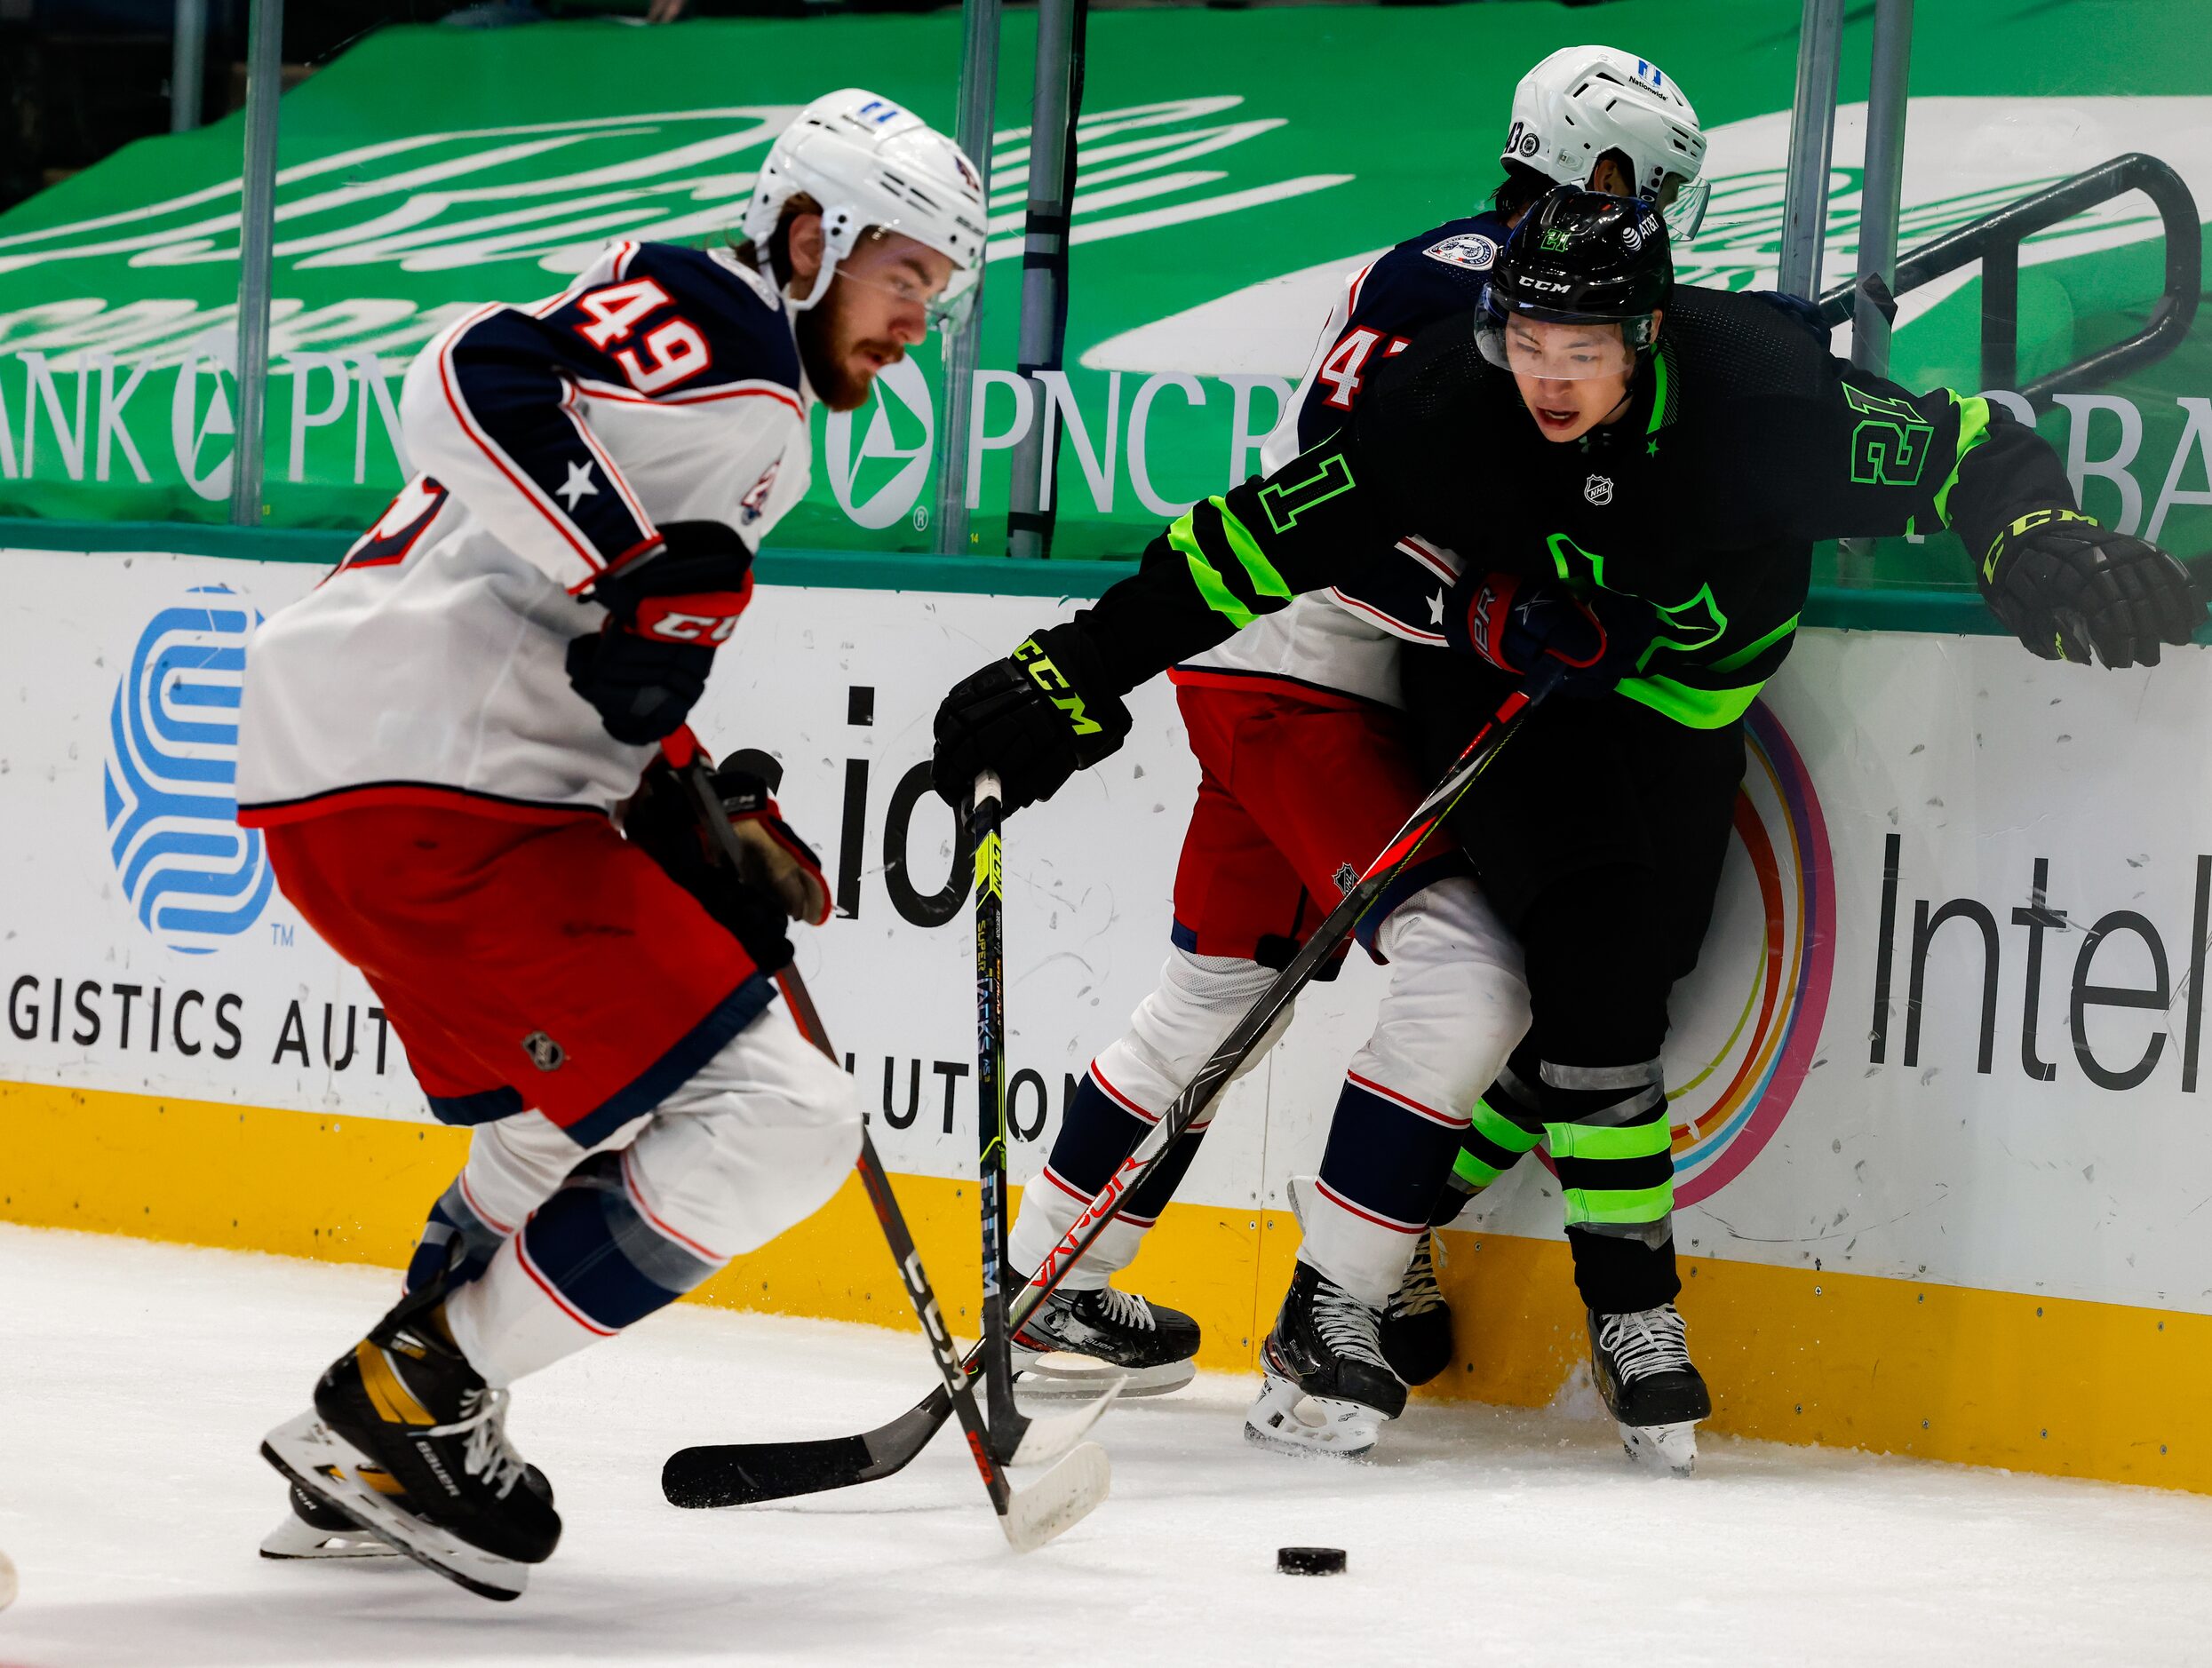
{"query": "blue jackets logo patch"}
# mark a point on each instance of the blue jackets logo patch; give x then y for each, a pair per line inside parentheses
(1470, 249)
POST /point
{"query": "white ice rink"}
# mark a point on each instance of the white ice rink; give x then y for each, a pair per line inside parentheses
(137, 1380)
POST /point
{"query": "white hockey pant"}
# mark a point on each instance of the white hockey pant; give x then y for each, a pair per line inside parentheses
(757, 1141)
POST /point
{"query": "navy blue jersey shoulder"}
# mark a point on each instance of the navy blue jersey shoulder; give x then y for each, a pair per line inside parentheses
(1408, 288)
(746, 338)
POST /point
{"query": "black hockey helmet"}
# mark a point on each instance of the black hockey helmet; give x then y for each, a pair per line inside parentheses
(1581, 257)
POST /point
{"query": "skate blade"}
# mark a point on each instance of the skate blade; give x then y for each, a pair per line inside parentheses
(1056, 1375)
(292, 1538)
(1286, 1419)
(1050, 1437)
(328, 1466)
(1668, 1450)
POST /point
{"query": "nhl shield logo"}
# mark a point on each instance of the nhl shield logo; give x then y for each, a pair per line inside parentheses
(1598, 489)
(545, 1053)
(1347, 877)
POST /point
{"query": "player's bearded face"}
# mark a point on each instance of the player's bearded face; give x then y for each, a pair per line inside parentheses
(877, 308)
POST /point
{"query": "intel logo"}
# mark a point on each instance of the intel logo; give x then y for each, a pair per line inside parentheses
(193, 876)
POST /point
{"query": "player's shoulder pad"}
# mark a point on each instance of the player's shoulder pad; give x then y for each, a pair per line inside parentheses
(1730, 346)
(1418, 395)
(737, 309)
(1441, 272)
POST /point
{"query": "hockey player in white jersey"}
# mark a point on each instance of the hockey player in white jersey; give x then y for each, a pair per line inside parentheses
(1306, 775)
(446, 743)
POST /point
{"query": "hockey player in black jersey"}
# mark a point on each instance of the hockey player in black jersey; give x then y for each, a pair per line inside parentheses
(1673, 456)
(1306, 765)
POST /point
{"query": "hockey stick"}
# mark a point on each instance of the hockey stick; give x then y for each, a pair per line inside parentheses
(775, 1470)
(1029, 1517)
(1008, 1423)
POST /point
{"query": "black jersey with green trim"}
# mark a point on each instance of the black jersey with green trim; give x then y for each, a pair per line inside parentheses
(1743, 443)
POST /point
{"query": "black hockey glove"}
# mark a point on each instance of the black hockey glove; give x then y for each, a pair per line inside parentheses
(1035, 717)
(666, 615)
(781, 882)
(2069, 589)
(1513, 623)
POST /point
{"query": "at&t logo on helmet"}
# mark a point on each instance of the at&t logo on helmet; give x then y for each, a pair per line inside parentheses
(194, 878)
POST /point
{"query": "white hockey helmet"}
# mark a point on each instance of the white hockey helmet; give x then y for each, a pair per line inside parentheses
(1583, 101)
(869, 162)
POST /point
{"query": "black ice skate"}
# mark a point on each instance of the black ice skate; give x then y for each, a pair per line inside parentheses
(406, 1403)
(1643, 1371)
(1417, 1321)
(315, 1528)
(1328, 1387)
(1147, 1346)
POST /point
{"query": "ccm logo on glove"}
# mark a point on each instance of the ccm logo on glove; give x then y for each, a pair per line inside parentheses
(1050, 679)
(703, 618)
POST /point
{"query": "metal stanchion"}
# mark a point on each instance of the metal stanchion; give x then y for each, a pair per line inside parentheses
(963, 349)
(1044, 272)
(188, 52)
(265, 72)
(1812, 142)
(1882, 185)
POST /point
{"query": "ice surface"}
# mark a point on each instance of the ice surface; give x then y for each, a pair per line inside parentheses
(136, 1381)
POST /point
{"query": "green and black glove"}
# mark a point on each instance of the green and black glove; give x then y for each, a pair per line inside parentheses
(1035, 719)
(2072, 589)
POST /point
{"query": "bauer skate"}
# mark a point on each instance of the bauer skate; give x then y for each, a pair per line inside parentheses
(1416, 1331)
(406, 1403)
(1655, 1394)
(1328, 1387)
(313, 1528)
(1147, 1346)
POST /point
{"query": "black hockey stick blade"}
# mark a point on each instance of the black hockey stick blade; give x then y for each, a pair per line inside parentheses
(745, 1473)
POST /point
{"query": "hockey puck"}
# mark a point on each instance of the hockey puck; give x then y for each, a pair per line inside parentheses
(1310, 1561)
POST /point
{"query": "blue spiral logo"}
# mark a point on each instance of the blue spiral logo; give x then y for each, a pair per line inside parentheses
(193, 876)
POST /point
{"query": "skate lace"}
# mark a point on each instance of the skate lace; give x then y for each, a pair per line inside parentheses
(1645, 1342)
(1346, 1324)
(1123, 1308)
(1419, 1292)
(488, 1454)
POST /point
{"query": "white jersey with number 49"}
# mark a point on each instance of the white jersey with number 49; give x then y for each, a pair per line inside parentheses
(553, 441)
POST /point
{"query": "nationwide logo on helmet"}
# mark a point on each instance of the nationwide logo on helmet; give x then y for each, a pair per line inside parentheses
(1470, 249)
(193, 876)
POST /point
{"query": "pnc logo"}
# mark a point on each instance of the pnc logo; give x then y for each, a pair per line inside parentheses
(900, 428)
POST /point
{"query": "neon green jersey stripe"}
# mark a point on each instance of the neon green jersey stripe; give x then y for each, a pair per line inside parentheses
(1591, 1140)
(1622, 1205)
(1973, 429)
(1473, 1172)
(1502, 1131)
(1745, 656)
(1265, 581)
(1218, 596)
(1699, 709)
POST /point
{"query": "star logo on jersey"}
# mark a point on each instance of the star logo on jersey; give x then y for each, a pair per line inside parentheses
(1436, 609)
(1598, 489)
(579, 486)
